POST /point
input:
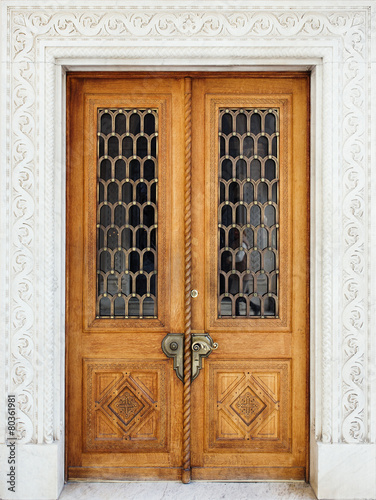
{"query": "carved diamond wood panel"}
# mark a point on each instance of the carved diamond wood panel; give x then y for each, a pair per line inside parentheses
(248, 406)
(126, 405)
(251, 405)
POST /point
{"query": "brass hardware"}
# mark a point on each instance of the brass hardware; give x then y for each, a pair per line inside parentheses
(194, 294)
(202, 346)
(173, 347)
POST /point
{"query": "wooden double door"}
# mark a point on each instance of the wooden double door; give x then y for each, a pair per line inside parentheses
(187, 276)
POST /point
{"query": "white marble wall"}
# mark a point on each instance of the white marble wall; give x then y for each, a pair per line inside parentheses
(336, 41)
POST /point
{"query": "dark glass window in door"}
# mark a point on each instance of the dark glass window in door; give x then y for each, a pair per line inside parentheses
(248, 212)
(127, 216)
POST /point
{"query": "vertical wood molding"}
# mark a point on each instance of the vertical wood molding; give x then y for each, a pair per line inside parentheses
(186, 474)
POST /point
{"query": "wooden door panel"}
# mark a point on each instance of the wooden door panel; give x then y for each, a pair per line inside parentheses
(250, 405)
(213, 103)
(126, 406)
(124, 401)
(209, 95)
(163, 105)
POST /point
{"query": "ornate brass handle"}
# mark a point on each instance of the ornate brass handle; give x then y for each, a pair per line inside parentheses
(202, 346)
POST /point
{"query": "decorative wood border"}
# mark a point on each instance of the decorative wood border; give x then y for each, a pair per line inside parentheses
(283, 323)
(91, 323)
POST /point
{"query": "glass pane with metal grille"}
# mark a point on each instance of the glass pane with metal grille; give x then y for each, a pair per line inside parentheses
(127, 197)
(248, 214)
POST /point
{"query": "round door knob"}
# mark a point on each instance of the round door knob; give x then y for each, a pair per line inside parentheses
(194, 293)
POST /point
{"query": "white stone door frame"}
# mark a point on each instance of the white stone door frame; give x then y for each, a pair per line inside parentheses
(337, 44)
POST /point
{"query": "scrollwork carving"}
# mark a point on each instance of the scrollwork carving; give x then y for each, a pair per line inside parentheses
(354, 389)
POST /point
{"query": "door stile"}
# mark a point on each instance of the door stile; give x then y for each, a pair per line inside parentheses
(186, 473)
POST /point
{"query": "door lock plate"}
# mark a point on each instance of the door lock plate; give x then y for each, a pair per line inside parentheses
(173, 347)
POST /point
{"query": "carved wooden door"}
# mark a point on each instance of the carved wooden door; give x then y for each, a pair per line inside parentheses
(250, 267)
(187, 225)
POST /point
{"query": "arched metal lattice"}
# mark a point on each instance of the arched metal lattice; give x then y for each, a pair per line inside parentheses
(248, 214)
(127, 196)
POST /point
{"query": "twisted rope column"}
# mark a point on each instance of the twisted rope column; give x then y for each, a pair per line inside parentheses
(186, 475)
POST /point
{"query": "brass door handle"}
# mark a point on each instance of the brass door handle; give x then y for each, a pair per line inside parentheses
(202, 346)
(173, 347)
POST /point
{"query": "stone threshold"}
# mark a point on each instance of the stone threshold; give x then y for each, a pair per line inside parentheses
(197, 490)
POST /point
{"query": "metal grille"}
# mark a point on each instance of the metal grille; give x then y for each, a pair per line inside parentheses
(248, 212)
(127, 198)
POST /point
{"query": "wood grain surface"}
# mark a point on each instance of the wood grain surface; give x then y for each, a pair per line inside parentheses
(128, 415)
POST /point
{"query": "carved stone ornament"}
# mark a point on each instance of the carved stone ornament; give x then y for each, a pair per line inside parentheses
(38, 43)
